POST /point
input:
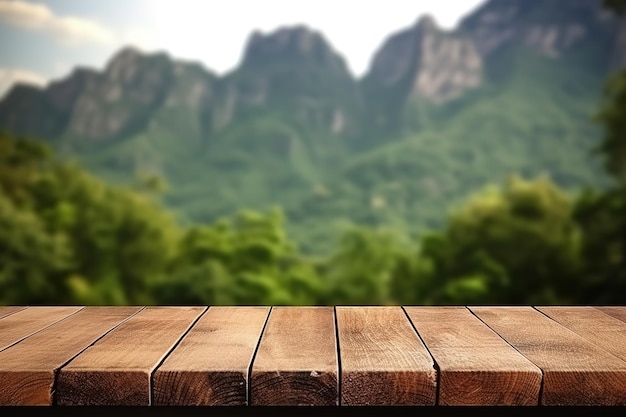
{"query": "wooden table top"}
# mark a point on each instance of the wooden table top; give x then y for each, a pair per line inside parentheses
(312, 355)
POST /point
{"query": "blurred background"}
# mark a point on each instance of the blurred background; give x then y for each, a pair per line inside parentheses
(313, 152)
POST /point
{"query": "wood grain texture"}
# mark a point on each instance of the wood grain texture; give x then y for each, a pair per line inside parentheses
(477, 367)
(117, 369)
(383, 361)
(597, 327)
(576, 371)
(8, 310)
(24, 323)
(617, 312)
(27, 369)
(210, 365)
(296, 362)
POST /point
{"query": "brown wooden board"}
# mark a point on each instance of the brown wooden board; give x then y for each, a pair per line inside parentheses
(575, 371)
(117, 369)
(27, 369)
(210, 365)
(597, 327)
(617, 312)
(8, 310)
(477, 367)
(383, 361)
(296, 362)
(24, 323)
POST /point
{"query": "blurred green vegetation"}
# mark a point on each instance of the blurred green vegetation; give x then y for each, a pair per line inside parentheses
(530, 115)
(66, 237)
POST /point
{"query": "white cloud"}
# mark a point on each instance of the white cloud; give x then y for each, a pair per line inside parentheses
(8, 77)
(38, 17)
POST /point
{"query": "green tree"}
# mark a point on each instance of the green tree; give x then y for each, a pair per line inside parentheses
(601, 214)
(613, 119)
(32, 260)
(69, 237)
(246, 260)
(360, 270)
(516, 245)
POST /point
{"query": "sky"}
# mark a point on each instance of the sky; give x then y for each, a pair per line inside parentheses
(44, 40)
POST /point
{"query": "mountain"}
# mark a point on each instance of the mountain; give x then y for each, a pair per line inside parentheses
(439, 115)
(421, 64)
(551, 28)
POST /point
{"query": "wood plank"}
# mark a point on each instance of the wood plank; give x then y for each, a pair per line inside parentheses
(477, 367)
(117, 369)
(383, 361)
(296, 363)
(8, 310)
(27, 369)
(575, 371)
(210, 365)
(597, 327)
(617, 312)
(24, 323)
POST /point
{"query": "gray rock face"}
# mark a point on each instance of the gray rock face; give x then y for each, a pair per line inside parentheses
(63, 94)
(25, 110)
(191, 87)
(294, 68)
(291, 45)
(431, 63)
(551, 28)
(129, 90)
(44, 113)
(125, 98)
(296, 73)
(449, 65)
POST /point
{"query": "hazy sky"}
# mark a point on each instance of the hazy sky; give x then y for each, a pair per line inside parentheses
(44, 40)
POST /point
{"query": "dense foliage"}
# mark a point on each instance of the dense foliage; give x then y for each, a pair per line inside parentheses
(403, 180)
(291, 126)
(66, 237)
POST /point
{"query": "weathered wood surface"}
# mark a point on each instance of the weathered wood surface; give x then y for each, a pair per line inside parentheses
(210, 366)
(476, 366)
(8, 310)
(617, 312)
(312, 355)
(597, 327)
(576, 371)
(117, 369)
(27, 369)
(383, 361)
(22, 324)
(296, 363)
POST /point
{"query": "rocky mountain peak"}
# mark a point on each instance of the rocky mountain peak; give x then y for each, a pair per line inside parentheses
(297, 67)
(427, 24)
(551, 28)
(426, 62)
(125, 66)
(131, 87)
(63, 94)
(295, 44)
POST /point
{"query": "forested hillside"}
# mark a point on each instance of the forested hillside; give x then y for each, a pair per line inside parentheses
(501, 179)
(439, 116)
(67, 238)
